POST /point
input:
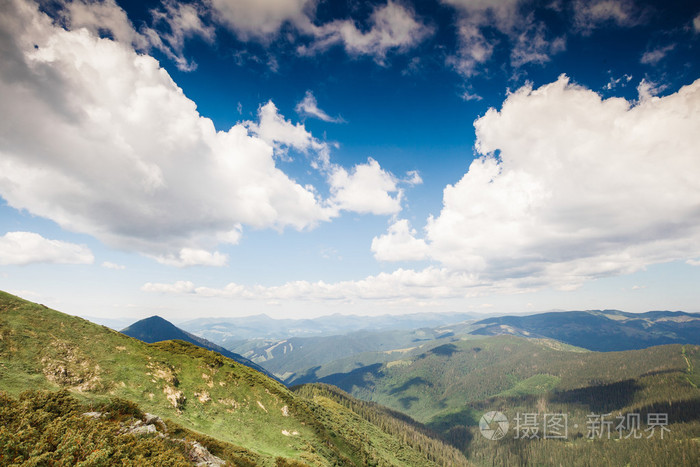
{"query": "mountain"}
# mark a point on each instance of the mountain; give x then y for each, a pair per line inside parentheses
(450, 385)
(230, 332)
(606, 330)
(157, 329)
(288, 358)
(235, 412)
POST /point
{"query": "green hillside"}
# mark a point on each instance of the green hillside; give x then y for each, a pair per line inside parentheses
(429, 380)
(451, 385)
(156, 329)
(600, 330)
(195, 388)
(290, 358)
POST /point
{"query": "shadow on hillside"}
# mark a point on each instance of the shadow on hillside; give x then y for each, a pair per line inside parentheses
(446, 350)
(361, 378)
(406, 402)
(309, 377)
(678, 411)
(600, 398)
(416, 381)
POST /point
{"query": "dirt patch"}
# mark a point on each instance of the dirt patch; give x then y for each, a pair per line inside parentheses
(176, 398)
(65, 366)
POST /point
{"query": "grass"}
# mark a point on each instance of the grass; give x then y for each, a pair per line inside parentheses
(199, 390)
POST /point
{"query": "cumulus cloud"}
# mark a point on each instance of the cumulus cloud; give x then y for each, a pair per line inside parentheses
(261, 19)
(282, 134)
(308, 106)
(399, 244)
(183, 21)
(100, 139)
(568, 187)
(102, 17)
(391, 27)
(20, 248)
(366, 189)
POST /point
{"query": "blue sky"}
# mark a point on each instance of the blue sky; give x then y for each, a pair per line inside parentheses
(308, 157)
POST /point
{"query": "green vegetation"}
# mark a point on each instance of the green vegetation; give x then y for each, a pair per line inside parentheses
(53, 428)
(201, 391)
(449, 386)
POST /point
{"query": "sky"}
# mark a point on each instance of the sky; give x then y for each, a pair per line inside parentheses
(306, 157)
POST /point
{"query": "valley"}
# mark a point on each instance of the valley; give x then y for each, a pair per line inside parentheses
(384, 397)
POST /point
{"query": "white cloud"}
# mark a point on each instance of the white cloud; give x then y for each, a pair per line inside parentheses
(621, 81)
(391, 27)
(260, 19)
(309, 107)
(652, 57)
(20, 248)
(184, 21)
(100, 139)
(591, 14)
(193, 257)
(366, 189)
(402, 283)
(413, 178)
(469, 96)
(580, 188)
(513, 20)
(177, 287)
(104, 15)
(693, 262)
(399, 244)
(283, 134)
(648, 89)
(532, 46)
(111, 265)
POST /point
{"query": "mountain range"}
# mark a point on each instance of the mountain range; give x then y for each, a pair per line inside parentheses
(66, 382)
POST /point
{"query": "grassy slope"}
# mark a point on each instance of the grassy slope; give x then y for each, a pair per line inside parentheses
(452, 385)
(427, 383)
(44, 349)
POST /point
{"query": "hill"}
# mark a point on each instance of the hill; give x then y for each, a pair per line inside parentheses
(230, 332)
(606, 330)
(231, 404)
(450, 386)
(288, 358)
(157, 329)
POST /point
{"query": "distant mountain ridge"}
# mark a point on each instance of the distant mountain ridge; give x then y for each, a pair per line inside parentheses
(231, 332)
(600, 330)
(157, 329)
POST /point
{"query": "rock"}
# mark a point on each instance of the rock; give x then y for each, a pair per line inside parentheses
(202, 457)
(92, 414)
(142, 430)
(152, 419)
